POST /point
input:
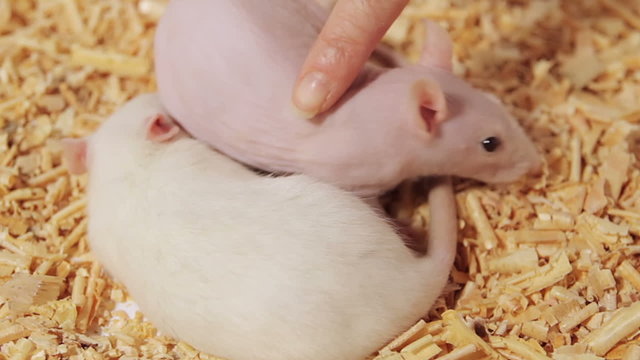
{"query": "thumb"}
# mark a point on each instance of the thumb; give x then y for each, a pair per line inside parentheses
(350, 35)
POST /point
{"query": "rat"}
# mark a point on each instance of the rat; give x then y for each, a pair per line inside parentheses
(225, 71)
(250, 267)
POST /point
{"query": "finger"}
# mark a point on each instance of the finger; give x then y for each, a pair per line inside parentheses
(350, 35)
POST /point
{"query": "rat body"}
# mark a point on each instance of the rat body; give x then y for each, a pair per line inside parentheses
(226, 69)
(244, 266)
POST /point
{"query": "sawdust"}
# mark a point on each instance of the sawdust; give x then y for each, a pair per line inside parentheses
(546, 268)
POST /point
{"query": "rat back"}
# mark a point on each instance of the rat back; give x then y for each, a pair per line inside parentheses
(254, 268)
(225, 71)
(236, 62)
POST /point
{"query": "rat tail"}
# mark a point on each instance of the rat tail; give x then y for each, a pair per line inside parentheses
(443, 224)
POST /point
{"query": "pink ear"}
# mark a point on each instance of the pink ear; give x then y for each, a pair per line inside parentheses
(431, 105)
(74, 155)
(160, 128)
(437, 50)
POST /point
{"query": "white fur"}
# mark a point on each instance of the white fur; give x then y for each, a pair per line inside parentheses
(249, 267)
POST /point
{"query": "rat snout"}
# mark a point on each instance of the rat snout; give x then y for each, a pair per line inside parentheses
(524, 169)
(531, 166)
(529, 160)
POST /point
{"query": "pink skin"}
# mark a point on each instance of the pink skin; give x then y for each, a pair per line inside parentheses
(158, 129)
(233, 92)
(250, 267)
(75, 153)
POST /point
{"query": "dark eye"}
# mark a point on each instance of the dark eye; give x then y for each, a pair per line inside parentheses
(491, 144)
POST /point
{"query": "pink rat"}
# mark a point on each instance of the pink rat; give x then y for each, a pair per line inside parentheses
(226, 69)
(244, 266)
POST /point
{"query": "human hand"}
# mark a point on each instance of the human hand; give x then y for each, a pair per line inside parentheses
(350, 35)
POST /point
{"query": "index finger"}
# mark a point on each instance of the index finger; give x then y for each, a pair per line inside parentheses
(348, 38)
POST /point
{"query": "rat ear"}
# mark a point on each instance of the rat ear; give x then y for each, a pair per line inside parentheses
(431, 105)
(160, 128)
(437, 50)
(74, 155)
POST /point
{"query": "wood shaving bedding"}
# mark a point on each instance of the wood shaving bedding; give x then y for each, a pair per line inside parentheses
(547, 268)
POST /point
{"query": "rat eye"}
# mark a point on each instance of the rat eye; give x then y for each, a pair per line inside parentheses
(491, 144)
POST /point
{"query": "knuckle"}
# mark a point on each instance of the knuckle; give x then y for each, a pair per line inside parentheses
(340, 48)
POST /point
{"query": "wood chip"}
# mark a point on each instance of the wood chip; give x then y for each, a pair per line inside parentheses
(534, 260)
(518, 347)
(460, 335)
(12, 332)
(68, 211)
(465, 352)
(583, 314)
(624, 323)
(487, 236)
(632, 353)
(537, 236)
(24, 290)
(524, 259)
(110, 62)
(424, 348)
(631, 274)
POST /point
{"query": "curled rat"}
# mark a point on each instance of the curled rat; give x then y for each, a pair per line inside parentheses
(244, 266)
(226, 69)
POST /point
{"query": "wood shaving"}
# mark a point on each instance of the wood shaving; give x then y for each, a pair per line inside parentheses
(109, 62)
(546, 268)
(624, 323)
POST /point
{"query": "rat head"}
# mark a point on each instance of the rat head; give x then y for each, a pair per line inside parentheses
(480, 138)
(441, 124)
(127, 134)
(476, 131)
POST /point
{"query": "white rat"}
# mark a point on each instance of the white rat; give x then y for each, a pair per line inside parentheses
(244, 266)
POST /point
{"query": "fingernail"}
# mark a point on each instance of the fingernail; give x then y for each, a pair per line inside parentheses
(311, 93)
